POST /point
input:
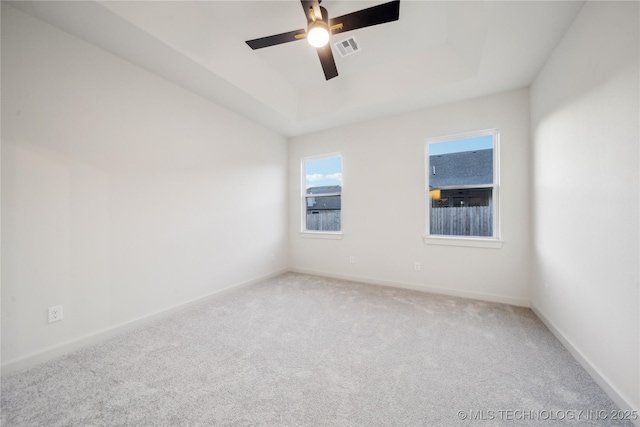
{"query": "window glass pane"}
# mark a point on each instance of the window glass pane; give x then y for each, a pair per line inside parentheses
(323, 200)
(459, 213)
(464, 163)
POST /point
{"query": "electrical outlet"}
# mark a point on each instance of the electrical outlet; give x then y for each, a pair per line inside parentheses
(352, 259)
(416, 266)
(55, 313)
(546, 289)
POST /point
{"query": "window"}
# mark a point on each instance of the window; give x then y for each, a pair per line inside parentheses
(462, 186)
(322, 193)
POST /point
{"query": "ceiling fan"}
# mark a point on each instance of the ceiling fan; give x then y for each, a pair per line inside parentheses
(320, 27)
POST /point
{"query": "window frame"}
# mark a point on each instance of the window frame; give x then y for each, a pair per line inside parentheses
(303, 198)
(494, 241)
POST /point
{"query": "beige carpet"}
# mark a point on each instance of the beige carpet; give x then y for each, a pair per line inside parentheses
(300, 350)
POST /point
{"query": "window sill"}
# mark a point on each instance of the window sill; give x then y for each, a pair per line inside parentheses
(471, 242)
(321, 235)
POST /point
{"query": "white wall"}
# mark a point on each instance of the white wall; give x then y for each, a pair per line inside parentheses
(122, 194)
(585, 132)
(383, 203)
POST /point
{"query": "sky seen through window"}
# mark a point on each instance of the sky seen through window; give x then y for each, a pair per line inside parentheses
(323, 172)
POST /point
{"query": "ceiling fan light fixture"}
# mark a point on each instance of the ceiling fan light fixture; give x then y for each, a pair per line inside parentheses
(318, 33)
(319, 29)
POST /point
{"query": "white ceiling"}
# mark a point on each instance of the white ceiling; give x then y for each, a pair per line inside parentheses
(437, 52)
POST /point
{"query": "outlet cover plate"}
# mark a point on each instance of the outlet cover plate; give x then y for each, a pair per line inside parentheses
(55, 313)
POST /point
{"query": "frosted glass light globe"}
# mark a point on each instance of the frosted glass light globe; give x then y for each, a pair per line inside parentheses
(318, 35)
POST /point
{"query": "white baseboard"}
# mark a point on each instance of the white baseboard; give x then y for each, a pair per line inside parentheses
(520, 302)
(67, 347)
(615, 395)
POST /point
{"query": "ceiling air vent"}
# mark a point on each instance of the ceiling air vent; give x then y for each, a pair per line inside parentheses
(347, 46)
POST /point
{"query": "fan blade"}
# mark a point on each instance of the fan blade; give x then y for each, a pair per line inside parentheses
(375, 15)
(276, 39)
(311, 4)
(328, 64)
